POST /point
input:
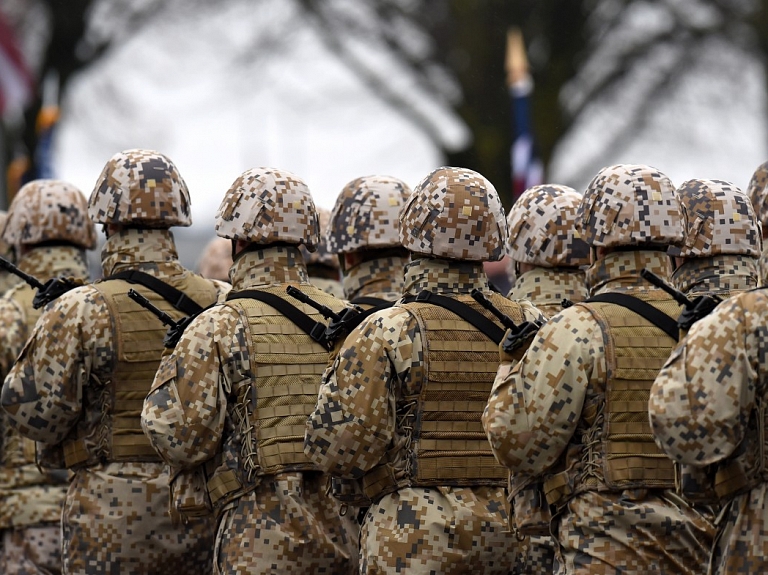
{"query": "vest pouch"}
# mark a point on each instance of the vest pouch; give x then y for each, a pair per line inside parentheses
(189, 496)
(349, 491)
(49, 456)
(697, 484)
(530, 510)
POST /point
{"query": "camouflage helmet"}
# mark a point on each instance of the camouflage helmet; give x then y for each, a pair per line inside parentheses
(757, 190)
(630, 205)
(266, 205)
(322, 255)
(140, 188)
(454, 213)
(49, 211)
(542, 228)
(216, 259)
(367, 214)
(718, 218)
(6, 250)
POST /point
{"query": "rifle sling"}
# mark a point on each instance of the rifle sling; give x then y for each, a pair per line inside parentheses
(372, 301)
(177, 298)
(487, 327)
(642, 308)
(315, 329)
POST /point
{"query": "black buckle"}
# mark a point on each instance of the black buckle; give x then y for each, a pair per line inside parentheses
(424, 295)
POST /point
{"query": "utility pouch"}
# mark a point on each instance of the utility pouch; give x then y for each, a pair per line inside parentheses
(531, 513)
(189, 495)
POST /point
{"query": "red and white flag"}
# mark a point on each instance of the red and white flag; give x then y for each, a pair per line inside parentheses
(16, 82)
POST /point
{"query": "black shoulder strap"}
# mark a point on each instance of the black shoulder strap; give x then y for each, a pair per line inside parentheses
(373, 301)
(646, 310)
(315, 329)
(176, 298)
(485, 325)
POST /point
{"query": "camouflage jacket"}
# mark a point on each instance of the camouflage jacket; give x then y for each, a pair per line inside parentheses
(546, 288)
(723, 275)
(355, 422)
(28, 495)
(380, 278)
(49, 390)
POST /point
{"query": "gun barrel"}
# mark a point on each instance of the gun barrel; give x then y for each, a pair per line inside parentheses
(487, 304)
(679, 296)
(295, 292)
(8, 266)
(148, 305)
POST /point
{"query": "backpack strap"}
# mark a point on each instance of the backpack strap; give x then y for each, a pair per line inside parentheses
(173, 296)
(642, 308)
(487, 327)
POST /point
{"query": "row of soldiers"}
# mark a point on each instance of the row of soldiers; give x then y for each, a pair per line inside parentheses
(158, 421)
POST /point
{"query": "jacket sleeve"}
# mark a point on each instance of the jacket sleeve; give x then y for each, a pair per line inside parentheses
(13, 326)
(701, 400)
(185, 411)
(535, 405)
(43, 393)
(353, 423)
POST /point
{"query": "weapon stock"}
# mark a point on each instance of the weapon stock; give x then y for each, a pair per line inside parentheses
(46, 292)
(175, 328)
(679, 296)
(516, 335)
(695, 309)
(31, 280)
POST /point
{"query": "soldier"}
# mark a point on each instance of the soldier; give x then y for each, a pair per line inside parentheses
(400, 406)
(7, 279)
(79, 384)
(216, 260)
(236, 391)
(757, 190)
(547, 255)
(720, 255)
(363, 233)
(48, 222)
(707, 411)
(322, 265)
(581, 391)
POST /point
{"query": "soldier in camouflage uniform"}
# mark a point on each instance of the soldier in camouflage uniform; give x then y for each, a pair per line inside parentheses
(48, 222)
(322, 265)
(233, 396)
(582, 390)
(757, 190)
(7, 279)
(79, 384)
(721, 252)
(400, 406)
(707, 411)
(216, 260)
(547, 255)
(363, 232)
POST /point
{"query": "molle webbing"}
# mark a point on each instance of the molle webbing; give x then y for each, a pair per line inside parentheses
(450, 444)
(139, 340)
(288, 367)
(635, 352)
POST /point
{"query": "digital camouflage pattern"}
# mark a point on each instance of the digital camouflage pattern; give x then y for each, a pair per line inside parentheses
(265, 205)
(115, 517)
(322, 265)
(548, 288)
(628, 205)
(757, 191)
(380, 277)
(359, 423)
(7, 279)
(454, 213)
(718, 218)
(49, 210)
(541, 408)
(542, 230)
(30, 498)
(706, 410)
(140, 188)
(366, 214)
(216, 259)
(282, 523)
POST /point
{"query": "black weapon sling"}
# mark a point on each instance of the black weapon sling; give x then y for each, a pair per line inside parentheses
(314, 329)
(377, 304)
(489, 328)
(177, 298)
(642, 308)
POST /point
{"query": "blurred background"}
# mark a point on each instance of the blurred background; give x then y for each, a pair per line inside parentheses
(523, 91)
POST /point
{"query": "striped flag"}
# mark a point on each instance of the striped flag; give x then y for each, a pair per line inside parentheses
(527, 168)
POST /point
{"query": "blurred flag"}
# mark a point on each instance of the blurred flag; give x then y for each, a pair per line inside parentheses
(527, 168)
(16, 82)
(47, 118)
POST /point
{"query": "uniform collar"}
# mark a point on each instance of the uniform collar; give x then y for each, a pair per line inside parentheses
(444, 276)
(379, 277)
(269, 265)
(134, 248)
(44, 263)
(620, 271)
(720, 274)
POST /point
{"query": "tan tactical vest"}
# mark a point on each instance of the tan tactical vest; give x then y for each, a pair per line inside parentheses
(138, 336)
(618, 450)
(271, 414)
(446, 441)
